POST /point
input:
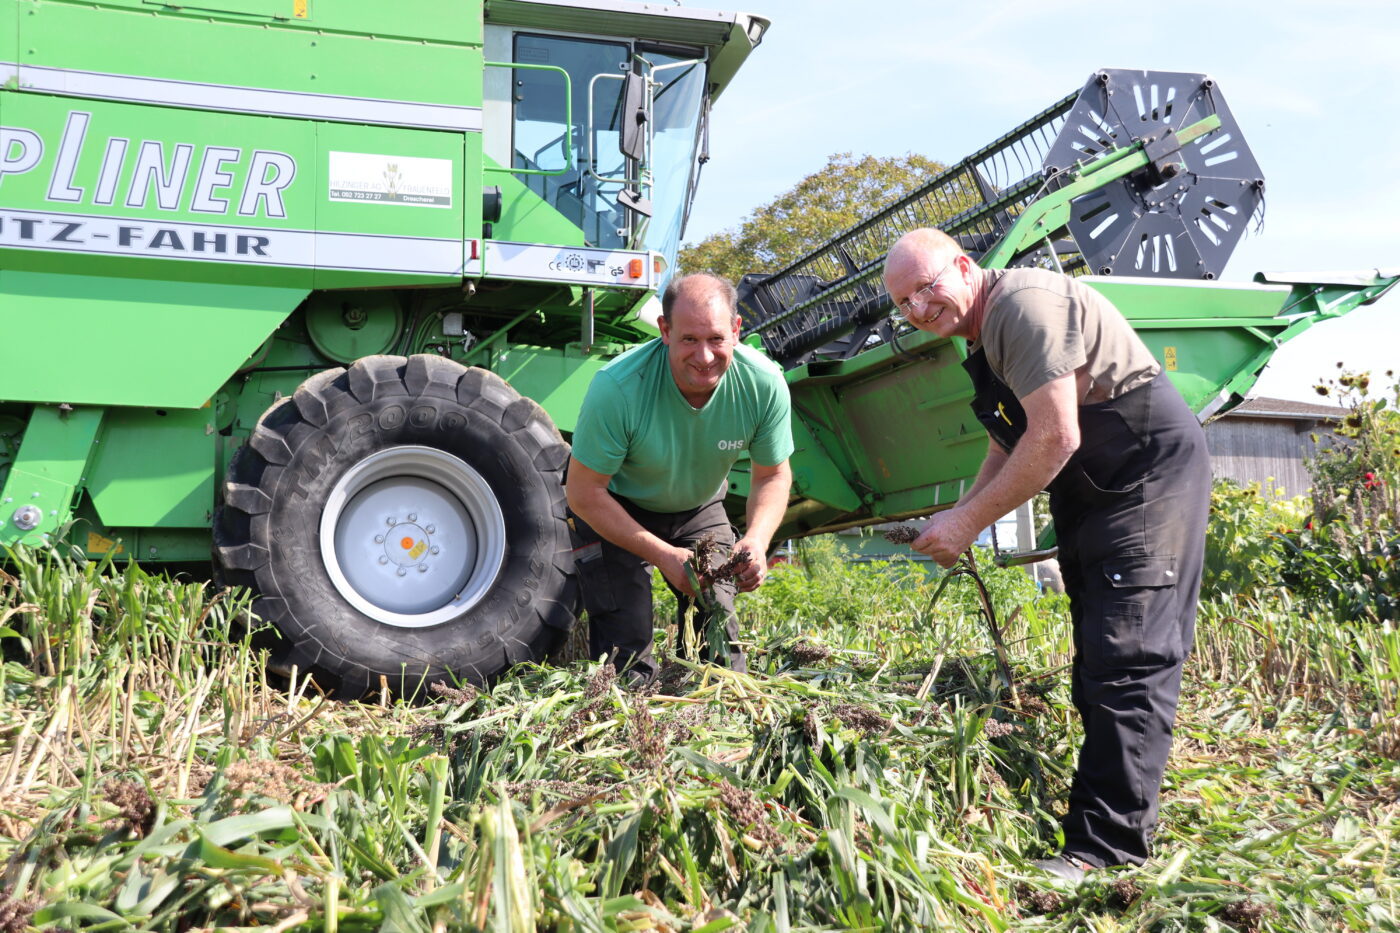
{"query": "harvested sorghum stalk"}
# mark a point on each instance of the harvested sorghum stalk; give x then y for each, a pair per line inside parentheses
(805, 652)
(727, 570)
(901, 534)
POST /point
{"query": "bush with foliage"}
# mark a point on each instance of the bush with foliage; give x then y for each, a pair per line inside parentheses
(1343, 559)
(1242, 539)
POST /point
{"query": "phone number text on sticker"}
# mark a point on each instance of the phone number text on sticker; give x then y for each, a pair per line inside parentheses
(388, 179)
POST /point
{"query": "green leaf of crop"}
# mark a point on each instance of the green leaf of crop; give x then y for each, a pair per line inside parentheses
(620, 852)
(707, 764)
(247, 825)
(447, 894)
(872, 808)
(216, 856)
(399, 915)
(77, 911)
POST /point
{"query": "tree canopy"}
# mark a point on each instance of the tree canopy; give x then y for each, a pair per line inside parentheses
(839, 195)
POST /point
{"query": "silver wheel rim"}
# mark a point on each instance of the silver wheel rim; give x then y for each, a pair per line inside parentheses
(412, 536)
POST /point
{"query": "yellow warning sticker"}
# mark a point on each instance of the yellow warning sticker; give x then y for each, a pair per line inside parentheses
(97, 544)
(299, 8)
(1169, 359)
(418, 550)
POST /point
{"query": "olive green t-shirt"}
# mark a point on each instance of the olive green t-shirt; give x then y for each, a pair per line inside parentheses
(666, 456)
(1040, 325)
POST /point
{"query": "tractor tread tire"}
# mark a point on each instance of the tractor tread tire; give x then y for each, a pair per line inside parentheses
(267, 535)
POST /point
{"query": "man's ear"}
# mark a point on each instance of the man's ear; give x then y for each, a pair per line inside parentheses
(664, 326)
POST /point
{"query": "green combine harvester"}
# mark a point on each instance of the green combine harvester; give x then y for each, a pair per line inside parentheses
(317, 287)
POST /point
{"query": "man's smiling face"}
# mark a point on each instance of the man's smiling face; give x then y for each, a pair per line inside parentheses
(700, 339)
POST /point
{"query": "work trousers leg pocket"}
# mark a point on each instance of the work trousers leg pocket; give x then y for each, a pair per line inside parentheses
(1131, 617)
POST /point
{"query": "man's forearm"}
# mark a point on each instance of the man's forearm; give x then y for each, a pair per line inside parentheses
(767, 503)
(1024, 473)
(991, 466)
(606, 516)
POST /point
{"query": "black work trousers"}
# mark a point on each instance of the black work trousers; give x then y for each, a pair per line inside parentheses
(1130, 513)
(617, 587)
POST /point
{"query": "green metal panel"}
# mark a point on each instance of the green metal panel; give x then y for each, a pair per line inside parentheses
(10, 12)
(423, 237)
(155, 544)
(1203, 333)
(120, 184)
(262, 9)
(175, 489)
(815, 475)
(554, 378)
(318, 54)
(908, 438)
(473, 193)
(1157, 299)
(237, 190)
(48, 471)
(525, 217)
(92, 340)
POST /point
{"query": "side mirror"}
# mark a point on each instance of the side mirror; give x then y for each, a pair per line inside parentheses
(635, 116)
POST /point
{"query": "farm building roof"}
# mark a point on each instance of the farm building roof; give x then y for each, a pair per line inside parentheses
(1262, 407)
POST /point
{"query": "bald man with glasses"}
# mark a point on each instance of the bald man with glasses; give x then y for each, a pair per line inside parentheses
(1073, 402)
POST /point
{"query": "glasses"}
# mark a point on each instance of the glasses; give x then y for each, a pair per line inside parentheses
(920, 299)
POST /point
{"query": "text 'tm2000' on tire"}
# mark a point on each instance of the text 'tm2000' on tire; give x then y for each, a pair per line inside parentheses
(402, 519)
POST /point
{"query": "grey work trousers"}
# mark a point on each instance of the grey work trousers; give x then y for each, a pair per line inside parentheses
(617, 587)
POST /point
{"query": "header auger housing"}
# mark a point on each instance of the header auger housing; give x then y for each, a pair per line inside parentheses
(1179, 216)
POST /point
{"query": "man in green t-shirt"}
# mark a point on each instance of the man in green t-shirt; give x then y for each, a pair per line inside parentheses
(659, 430)
(1073, 402)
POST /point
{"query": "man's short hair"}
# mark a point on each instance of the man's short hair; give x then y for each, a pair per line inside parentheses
(924, 240)
(700, 283)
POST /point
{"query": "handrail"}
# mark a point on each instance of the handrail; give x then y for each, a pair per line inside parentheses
(568, 121)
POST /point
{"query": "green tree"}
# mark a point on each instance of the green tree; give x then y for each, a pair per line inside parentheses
(841, 194)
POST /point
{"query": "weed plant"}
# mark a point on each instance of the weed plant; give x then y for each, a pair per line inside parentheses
(873, 773)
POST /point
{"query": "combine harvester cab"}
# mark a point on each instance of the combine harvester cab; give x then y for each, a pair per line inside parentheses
(1141, 181)
(328, 280)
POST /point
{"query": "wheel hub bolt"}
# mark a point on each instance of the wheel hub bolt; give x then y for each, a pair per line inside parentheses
(384, 560)
(422, 568)
(434, 549)
(391, 521)
(412, 516)
(431, 529)
(378, 539)
(402, 572)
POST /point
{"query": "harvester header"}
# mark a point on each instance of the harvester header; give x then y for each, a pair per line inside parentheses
(1180, 216)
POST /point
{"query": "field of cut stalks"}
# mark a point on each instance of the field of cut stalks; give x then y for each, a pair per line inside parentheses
(875, 772)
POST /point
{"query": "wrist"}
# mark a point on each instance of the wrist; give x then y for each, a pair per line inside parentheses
(969, 521)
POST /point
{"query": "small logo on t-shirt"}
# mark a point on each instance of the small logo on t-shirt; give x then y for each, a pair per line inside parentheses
(731, 445)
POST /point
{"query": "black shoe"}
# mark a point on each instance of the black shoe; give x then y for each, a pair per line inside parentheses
(1065, 868)
(637, 680)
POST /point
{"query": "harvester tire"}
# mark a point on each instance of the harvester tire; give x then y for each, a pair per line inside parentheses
(402, 522)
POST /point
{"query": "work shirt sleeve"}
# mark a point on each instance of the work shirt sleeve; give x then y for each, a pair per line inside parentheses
(1032, 336)
(601, 438)
(772, 441)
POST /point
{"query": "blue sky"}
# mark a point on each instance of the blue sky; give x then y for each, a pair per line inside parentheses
(1314, 91)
